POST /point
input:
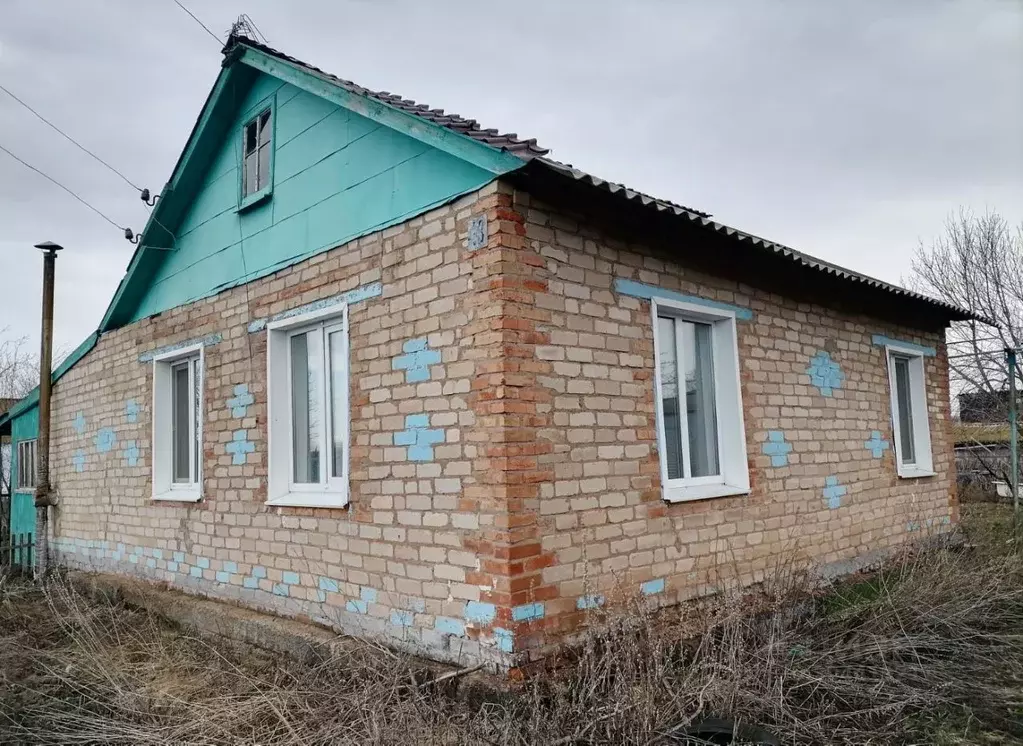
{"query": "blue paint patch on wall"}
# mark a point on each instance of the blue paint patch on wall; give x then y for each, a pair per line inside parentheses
(195, 572)
(651, 587)
(480, 612)
(259, 572)
(357, 606)
(239, 403)
(223, 577)
(650, 292)
(777, 448)
(178, 556)
(416, 360)
(449, 626)
(239, 447)
(203, 563)
(825, 373)
(328, 585)
(418, 437)
(230, 567)
(105, 440)
(417, 605)
(78, 423)
(131, 452)
(401, 618)
(209, 339)
(883, 341)
(280, 589)
(834, 492)
(477, 232)
(527, 612)
(589, 602)
(365, 292)
(369, 595)
(79, 460)
(505, 639)
(876, 445)
(291, 578)
(131, 411)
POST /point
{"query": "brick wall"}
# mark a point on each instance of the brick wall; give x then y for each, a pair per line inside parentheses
(605, 530)
(402, 560)
(540, 498)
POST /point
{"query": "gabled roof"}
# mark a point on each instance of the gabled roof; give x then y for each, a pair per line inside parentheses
(500, 153)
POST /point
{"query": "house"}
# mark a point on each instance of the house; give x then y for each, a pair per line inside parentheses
(377, 366)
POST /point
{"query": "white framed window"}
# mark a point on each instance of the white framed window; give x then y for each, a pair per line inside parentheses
(700, 433)
(178, 424)
(26, 466)
(906, 381)
(257, 153)
(308, 438)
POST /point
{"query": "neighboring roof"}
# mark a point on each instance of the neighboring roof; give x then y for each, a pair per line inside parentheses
(32, 398)
(980, 433)
(6, 403)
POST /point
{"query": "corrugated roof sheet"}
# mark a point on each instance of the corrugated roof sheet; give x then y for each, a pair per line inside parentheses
(508, 142)
(529, 151)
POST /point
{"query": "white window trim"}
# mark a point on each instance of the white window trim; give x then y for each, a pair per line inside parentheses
(731, 429)
(333, 493)
(924, 466)
(35, 464)
(164, 487)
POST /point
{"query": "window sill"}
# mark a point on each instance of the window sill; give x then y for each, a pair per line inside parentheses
(179, 496)
(255, 199)
(309, 500)
(916, 473)
(702, 492)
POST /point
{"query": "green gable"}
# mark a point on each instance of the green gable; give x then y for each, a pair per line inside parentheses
(343, 165)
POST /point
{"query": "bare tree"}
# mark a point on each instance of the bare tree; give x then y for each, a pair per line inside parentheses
(978, 265)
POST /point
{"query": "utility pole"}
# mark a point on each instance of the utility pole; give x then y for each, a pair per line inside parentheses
(43, 500)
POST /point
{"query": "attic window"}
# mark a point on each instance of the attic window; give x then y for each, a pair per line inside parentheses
(258, 149)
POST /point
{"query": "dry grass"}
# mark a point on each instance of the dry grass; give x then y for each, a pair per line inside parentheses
(929, 650)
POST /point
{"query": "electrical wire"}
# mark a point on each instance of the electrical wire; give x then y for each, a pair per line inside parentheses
(70, 139)
(54, 181)
(205, 27)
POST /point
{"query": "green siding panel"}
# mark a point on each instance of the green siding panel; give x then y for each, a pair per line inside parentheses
(337, 175)
(23, 513)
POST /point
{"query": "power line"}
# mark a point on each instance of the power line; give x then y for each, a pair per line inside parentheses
(70, 139)
(205, 27)
(54, 181)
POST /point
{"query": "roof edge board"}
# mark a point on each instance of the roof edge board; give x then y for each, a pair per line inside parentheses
(478, 154)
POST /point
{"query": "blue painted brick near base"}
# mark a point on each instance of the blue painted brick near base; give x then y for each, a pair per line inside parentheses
(158, 553)
(327, 584)
(151, 564)
(259, 572)
(223, 577)
(178, 556)
(401, 618)
(171, 566)
(230, 567)
(480, 612)
(203, 563)
(356, 606)
(195, 572)
(291, 578)
(251, 582)
(369, 595)
(589, 602)
(321, 596)
(280, 589)
(651, 587)
(449, 626)
(527, 611)
(505, 639)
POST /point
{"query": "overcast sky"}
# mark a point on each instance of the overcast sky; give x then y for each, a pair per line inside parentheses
(848, 129)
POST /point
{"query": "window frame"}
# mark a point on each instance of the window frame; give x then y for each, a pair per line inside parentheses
(246, 201)
(733, 466)
(19, 486)
(163, 485)
(333, 492)
(923, 464)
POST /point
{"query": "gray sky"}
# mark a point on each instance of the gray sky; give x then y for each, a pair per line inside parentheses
(845, 129)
